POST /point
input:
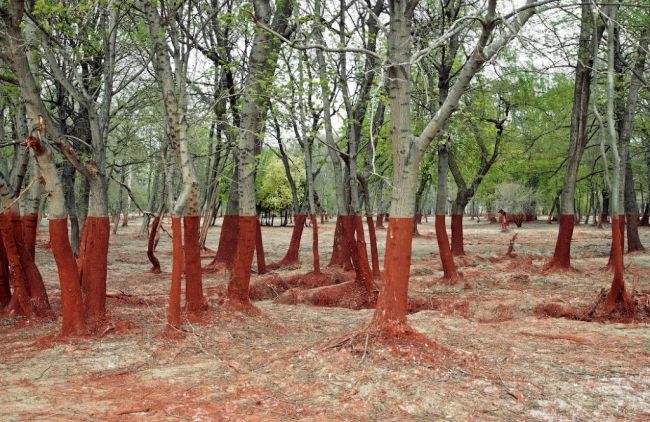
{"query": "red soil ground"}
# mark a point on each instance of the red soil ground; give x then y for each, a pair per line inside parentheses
(507, 361)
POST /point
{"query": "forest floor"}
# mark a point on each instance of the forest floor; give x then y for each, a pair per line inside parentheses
(508, 363)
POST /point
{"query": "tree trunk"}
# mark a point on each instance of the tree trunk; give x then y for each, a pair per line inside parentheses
(229, 229)
(631, 213)
(446, 257)
(578, 137)
(292, 256)
(261, 66)
(72, 305)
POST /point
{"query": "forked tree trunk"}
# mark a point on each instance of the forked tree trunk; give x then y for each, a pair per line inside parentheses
(186, 207)
(72, 306)
(26, 271)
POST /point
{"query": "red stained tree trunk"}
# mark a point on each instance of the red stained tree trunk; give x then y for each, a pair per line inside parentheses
(617, 293)
(314, 244)
(448, 265)
(360, 253)
(259, 249)
(340, 249)
(94, 268)
(380, 221)
(561, 259)
(457, 241)
(293, 253)
(227, 243)
(374, 255)
(621, 238)
(16, 271)
(240, 276)
(151, 246)
(194, 300)
(5, 288)
(392, 300)
(35, 285)
(174, 307)
(71, 299)
(30, 227)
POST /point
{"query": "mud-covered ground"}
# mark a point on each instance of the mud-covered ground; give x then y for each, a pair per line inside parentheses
(507, 363)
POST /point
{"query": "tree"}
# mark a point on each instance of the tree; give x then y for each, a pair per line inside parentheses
(590, 37)
(173, 84)
(390, 314)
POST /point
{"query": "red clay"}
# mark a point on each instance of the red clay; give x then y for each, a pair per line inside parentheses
(292, 256)
(151, 246)
(393, 294)
(72, 307)
(194, 300)
(94, 263)
(174, 308)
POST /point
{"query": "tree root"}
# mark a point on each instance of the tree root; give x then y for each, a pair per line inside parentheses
(351, 295)
(635, 308)
(397, 339)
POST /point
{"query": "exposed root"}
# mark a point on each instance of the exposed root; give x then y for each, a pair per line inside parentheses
(232, 304)
(267, 288)
(446, 305)
(171, 333)
(397, 339)
(273, 286)
(635, 309)
(457, 278)
(283, 263)
(220, 268)
(551, 267)
(350, 295)
(520, 263)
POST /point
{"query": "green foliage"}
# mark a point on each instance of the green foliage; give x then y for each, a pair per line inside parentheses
(515, 198)
(271, 186)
